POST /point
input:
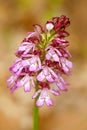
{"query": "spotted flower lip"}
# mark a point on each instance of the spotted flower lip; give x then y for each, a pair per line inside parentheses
(53, 53)
(47, 74)
(25, 48)
(27, 82)
(34, 63)
(44, 95)
(66, 64)
(17, 67)
(43, 59)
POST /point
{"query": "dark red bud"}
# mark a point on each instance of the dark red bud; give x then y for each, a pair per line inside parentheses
(37, 52)
(44, 85)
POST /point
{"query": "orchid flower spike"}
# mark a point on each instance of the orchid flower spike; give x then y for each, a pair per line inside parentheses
(43, 58)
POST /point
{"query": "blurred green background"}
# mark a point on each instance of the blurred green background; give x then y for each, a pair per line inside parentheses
(70, 109)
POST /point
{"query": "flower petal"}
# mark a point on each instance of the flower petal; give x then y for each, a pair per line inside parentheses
(33, 67)
(36, 94)
(13, 88)
(25, 63)
(53, 73)
(69, 63)
(21, 48)
(48, 101)
(38, 28)
(55, 57)
(61, 86)
(40, 76)
(32, 82)
(48, 56)
(49, 78)
(56, 93)
(27, 87)
(11, 79)
(40, 101)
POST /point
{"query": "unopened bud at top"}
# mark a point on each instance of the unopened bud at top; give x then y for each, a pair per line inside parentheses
(49, 26)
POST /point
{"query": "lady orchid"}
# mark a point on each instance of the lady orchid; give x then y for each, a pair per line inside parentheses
(42, 60)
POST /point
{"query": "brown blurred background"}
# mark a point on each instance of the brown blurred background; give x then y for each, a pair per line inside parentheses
(70, 109)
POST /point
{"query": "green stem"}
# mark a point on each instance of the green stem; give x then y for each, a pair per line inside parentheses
(36, 113)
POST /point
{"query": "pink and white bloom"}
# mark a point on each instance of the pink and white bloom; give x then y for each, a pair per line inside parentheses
(47, 74)
(17, 67)
(53, 53)
(25, 48)
(12, 79)
(12, 82)
(15, 82)
(61, 83)
(65, 64)
(34, 63)
(27, 81)
(44, 97)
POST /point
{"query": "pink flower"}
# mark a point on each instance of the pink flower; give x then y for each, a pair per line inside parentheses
(47, 74)
(16, 82)
(17, 67)
(12, 82)
(44, 95)
(53, 53)
(65, 64)
(27, 81)
(61, 83)
(34, 63)
(25, 48)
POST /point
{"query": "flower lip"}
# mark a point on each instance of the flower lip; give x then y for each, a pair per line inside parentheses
(43, 98)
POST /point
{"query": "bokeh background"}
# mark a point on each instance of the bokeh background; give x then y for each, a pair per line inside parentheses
(70, 109)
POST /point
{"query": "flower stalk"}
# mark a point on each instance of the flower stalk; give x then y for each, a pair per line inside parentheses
(36, 111)
(35, 116)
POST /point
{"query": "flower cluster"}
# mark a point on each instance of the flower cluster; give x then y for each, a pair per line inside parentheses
(42, 58)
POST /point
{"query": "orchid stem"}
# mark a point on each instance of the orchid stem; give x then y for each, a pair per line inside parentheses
(36, 113)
